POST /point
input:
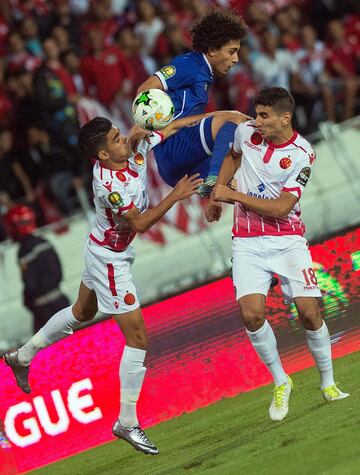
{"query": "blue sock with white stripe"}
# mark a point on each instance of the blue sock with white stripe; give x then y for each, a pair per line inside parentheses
(224, 137)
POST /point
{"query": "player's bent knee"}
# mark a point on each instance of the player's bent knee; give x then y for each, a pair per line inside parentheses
(310, 318)
(82, 314)
(253, 318)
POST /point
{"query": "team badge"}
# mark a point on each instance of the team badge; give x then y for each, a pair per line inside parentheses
(129, 299)
(303, 176)
(256, 138)
(120, 176)
(139, 159)
(285, 162)
(168, 71)
(115, 199)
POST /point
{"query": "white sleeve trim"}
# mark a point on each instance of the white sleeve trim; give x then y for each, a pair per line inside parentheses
(161, 77)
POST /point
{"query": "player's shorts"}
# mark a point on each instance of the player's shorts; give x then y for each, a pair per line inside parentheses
(186, 152)
(256, 259)
(108, 274)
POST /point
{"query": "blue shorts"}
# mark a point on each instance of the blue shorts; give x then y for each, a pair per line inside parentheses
(186, 152)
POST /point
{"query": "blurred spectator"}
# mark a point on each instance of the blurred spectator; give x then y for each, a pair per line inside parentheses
(100, 19)
(64, 17)
(288, 30)
(55, 107)
(274, 66)
(311, 58)
(149, 25)
(243, 86)
(6, 106)
(62, 38)
(56, 164)
(30, 33)
(141, 63)
(14, 181)
(171, 42)
(342, 68)
(106, 71)
(5, 25)
(40, 267)
(18, 57)
(71, 61)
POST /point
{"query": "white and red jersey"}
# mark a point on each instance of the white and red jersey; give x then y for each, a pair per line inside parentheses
(115, 192)
(266, 170)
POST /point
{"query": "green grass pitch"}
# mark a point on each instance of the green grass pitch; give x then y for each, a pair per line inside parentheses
(236, 437)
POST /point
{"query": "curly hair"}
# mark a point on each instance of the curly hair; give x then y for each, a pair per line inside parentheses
(217, 28)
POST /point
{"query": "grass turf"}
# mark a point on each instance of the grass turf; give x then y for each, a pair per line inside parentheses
(235, 436)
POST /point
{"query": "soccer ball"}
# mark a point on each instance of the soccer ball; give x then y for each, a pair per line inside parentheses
(153, 109)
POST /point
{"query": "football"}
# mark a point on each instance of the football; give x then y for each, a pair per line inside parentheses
(153, 109)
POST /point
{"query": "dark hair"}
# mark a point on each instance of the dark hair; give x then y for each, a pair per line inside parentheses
(92, 136)
(278, 98)
(217, 28)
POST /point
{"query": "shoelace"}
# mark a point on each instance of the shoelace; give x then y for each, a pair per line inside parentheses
(142, 435)
(332, 391)
(279, 393)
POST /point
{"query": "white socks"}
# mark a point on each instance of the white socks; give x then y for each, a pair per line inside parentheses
(320, 347)
(264, 342)
(60, 325)
(132, 373)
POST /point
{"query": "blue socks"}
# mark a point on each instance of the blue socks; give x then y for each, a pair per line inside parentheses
(224, 137)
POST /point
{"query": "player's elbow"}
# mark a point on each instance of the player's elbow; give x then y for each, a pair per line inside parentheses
(280, 211)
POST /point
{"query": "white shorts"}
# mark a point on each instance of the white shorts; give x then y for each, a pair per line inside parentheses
(108, 274)
(256, 259)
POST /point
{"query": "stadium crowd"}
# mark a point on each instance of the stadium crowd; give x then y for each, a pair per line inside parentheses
(63, 62)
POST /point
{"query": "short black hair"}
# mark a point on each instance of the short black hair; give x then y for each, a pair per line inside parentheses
(278, 98)
(216, 29)
(92, 136)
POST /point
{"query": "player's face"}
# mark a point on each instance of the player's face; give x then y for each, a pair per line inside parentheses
(117, 146)
(269, 122)
(224, 58)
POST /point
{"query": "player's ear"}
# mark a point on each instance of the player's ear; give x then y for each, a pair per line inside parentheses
(103, 155)
(285, 119)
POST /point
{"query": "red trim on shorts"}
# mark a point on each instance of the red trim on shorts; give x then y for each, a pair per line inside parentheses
(112, 285)
(268, 154)
(297, 190)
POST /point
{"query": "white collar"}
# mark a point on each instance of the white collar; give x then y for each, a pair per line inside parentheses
(209, 65)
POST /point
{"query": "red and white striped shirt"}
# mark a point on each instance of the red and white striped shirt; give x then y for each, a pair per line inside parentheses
(266, 170)
(115, 192)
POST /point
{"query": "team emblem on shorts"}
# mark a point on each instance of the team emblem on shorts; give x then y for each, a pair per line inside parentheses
(115, 199)
(285, 163)
(139, 159)
(129, 299)
(168, 71)
(303, 176)
(256, 138)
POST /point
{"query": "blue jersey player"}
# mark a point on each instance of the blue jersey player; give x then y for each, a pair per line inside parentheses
(187, 79)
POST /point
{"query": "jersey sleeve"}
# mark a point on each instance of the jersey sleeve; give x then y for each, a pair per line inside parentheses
(300, 175)
(155, 138)
(238, 138)
(180, 73)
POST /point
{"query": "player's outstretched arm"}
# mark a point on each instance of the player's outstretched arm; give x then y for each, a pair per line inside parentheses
(274, 208)
(141, 222)
(153, 82)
